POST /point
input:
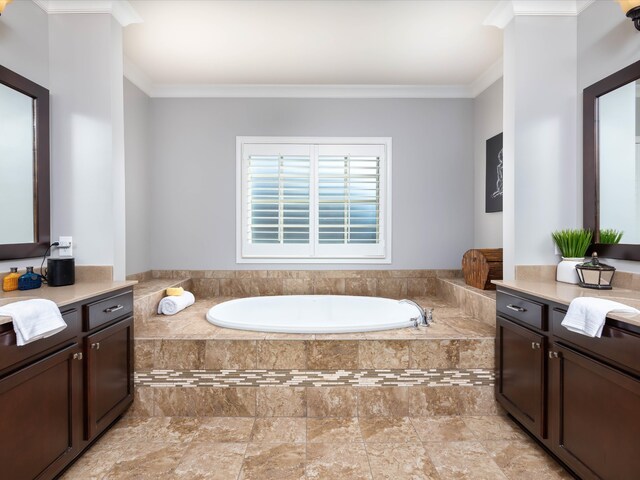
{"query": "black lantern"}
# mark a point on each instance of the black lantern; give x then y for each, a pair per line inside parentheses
(593, 274)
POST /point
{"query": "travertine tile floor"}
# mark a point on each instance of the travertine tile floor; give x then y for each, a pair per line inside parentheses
(397, 448)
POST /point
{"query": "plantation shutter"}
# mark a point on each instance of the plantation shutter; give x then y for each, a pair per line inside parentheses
(314, 201)
(277, 197)
(350, 187)
(348, 199)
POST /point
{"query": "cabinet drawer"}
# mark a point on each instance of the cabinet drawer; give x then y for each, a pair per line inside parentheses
(615, 344)
(522, 310)
(111, 308)
(11, 354)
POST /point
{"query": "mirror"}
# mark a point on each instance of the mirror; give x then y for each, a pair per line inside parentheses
(24, 167)
(611, 161)
(17, 167)
(619, 160)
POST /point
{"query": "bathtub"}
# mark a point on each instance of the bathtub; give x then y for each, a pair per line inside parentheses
(313, 314)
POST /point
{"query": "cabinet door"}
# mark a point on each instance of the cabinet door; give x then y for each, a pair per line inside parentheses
(520, 382)
(41, 416)
(595, 420)
(109, 386)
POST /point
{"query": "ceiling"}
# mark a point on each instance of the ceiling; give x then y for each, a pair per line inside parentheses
(322, 42)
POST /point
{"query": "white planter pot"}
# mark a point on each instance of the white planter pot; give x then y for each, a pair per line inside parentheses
(566, 271)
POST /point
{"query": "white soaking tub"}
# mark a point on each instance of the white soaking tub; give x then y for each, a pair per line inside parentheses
(313, 314)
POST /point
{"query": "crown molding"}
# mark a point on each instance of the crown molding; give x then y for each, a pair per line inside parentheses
(310, 91)
(122, 10)
(135, 75)
(488, 78)
(506, 10)
(500, 16)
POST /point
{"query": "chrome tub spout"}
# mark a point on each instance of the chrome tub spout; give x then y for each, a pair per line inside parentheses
(426, 316)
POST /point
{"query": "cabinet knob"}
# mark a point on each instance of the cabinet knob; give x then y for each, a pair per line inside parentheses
(553, 354)
(77, 356)
(96, 346)
(535, 345)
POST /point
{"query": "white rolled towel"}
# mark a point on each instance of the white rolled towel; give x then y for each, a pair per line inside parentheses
(175, 303)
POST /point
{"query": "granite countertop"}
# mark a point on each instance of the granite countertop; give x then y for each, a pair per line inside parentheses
(63, 295)
(563, 293)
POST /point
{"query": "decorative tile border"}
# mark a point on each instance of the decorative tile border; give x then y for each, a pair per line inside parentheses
(315, 378)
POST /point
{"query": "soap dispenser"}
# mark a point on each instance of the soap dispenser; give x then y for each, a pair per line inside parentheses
(10, 282)
(29, 280)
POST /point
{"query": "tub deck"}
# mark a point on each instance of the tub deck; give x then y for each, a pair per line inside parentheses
(450, 322)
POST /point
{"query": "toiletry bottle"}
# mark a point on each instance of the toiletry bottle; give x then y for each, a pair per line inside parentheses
(29, 280)
(10, 282)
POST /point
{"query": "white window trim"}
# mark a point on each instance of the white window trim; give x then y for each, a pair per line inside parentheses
(385, 203)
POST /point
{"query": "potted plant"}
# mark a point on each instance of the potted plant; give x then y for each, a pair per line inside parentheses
(573, 245)
(610, 235)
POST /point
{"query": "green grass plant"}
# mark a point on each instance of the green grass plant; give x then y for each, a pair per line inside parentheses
(573, 243)
(610, 235)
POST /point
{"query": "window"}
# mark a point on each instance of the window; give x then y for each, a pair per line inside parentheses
(305, 200)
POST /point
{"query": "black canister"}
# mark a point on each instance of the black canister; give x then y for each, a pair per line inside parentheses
(61, 272)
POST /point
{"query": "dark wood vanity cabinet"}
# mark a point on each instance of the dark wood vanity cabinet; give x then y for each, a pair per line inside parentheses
(595, 421)
(58, 394)
(520, 378)
(109, 375)
(41, 410)
(580, 397)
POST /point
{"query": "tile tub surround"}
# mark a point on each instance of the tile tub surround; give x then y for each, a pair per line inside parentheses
(148, 293)
(141, 277)
(187, 367)
(477, 303)
(244, 283)
(487, 447)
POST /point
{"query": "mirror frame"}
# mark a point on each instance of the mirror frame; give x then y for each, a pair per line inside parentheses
(591, 163)
(41, 214)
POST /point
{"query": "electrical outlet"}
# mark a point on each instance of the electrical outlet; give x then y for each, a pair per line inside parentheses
(65, 249)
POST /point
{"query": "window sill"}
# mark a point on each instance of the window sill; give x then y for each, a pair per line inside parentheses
(311, 261)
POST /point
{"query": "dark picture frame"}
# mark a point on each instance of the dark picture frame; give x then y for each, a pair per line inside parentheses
(493, 183)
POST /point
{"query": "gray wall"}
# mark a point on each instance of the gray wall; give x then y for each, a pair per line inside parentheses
(78, 57)
(540, 125)
(24, 48)
(607, 42)
(487, 122)
(194, 172)
(87, 137)
(24, 41)
(638, 117)
(137, 172)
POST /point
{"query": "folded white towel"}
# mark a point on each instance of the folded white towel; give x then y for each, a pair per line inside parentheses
(34, 319)
(587, 315)
(174, 303)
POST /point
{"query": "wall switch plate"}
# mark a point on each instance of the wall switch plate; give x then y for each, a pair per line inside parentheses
(65, 249)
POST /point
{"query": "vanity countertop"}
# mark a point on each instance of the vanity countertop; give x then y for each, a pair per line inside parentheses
(63, 295)
(563, 293)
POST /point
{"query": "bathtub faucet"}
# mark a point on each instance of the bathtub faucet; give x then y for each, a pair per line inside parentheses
(426, 316)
